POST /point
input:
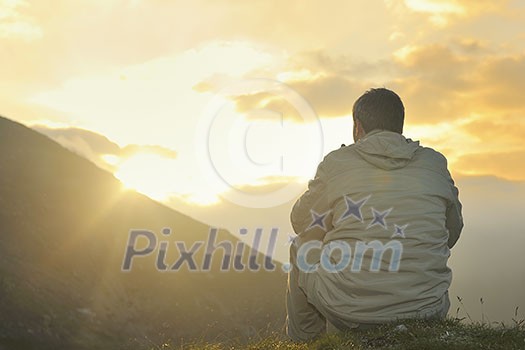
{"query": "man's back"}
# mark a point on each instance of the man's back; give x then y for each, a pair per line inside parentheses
(375, 228)
(388, 198)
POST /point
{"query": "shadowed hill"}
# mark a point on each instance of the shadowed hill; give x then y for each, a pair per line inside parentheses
(64, 227)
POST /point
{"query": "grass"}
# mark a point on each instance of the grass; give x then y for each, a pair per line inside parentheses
(444, 334)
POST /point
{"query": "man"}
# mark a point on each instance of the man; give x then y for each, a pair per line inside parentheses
(375, 228)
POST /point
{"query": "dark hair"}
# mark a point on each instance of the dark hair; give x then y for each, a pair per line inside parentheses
(380, 109)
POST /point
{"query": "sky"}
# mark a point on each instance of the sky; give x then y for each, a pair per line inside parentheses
(222, 109)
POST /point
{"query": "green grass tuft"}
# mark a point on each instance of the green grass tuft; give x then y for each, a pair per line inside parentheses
(420, 335)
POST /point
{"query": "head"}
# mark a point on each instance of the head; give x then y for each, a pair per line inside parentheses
(378, 109)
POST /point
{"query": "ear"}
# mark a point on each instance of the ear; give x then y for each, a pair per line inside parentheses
(359, 132)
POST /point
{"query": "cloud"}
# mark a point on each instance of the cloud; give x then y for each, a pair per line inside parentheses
(96, 147)
(437, 82)
(330, 84)
(508, 165)
(446, 82)
(253, 106)
(508, 131)
(442, 12)
(470, 46)
(432, 80)
(15, 23)
(463, 96)
(469, 76)
(329, 95)
(433, 61)
(130, 150)
(87, 144)
(439, 11)
(352, 66)
(81, 38)
(332, 95)
(503, 78)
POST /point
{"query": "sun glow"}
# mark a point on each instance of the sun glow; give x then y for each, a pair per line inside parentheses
(148, 174)
(162, 179)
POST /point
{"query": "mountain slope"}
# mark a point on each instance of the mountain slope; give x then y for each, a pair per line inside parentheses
(64, 228)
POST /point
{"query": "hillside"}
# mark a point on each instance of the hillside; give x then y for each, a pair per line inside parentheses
(64, 226)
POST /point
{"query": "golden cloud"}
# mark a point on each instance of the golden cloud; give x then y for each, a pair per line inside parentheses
(437, 82)
(506, 130)
(330, 96)
(507, 165)
(15, 23)
(442, 12)
(503, 79)
(95, 147)
(434, 81)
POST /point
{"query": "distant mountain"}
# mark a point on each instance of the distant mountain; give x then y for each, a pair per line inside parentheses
(64, 229)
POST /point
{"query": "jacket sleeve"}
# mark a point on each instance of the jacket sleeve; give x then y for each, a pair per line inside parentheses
(314, 200)
(454, 222)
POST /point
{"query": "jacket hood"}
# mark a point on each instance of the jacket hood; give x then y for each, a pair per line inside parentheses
(386, 149)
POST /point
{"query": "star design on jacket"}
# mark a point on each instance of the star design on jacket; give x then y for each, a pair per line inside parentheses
(353, 208)
(379, 218)
(318, 220)
(399, 231)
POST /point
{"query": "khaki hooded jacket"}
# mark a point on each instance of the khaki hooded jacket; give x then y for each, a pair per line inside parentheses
(388, 210)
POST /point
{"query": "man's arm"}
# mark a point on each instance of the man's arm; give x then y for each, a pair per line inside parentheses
(311, 205)
(454, 221)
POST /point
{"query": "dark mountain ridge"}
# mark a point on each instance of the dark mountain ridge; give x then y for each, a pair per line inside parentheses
(64, 229)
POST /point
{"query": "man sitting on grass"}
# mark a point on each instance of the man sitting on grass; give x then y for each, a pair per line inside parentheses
(375, 228)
